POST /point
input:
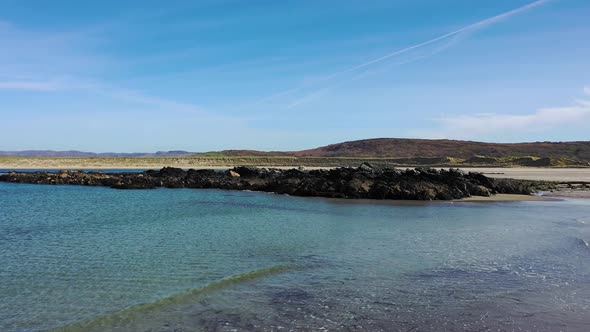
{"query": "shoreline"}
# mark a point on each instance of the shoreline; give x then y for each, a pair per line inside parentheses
(497, 198)
(573, 186)
(564, 194)
(506, 198)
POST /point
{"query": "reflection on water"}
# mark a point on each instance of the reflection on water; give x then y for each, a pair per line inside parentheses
(96, 259)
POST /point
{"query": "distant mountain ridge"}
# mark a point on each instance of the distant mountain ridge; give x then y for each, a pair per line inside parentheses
(82, 154)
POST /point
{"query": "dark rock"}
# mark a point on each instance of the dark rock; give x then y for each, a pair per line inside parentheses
(246, 171)
(172, 172)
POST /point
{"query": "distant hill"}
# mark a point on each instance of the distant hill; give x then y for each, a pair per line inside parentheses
(82, 154)
(426, 148)
(397, 151)
(243, 153)
(441, 152)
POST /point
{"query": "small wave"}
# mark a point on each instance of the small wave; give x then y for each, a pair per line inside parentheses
(573, 222)
(575, 244)
(116, 319)
(571, 245)
(583, 243)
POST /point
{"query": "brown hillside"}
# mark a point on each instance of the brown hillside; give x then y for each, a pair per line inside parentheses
(425, 148)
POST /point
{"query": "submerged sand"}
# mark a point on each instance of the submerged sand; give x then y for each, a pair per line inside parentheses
(504, 198)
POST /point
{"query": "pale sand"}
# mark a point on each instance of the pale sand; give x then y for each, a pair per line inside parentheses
(536, 173)
(585, 194)
(544, 174)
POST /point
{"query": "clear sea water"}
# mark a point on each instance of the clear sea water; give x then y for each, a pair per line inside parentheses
(97, 259)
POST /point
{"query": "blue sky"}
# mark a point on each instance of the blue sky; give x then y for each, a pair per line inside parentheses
(287, 75)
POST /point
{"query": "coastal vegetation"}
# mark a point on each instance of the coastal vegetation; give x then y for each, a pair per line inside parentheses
(223, 161)
(383, 152)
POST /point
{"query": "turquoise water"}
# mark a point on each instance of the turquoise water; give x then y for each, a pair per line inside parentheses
(96, 259)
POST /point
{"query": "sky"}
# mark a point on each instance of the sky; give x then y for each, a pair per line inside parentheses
(144, 76)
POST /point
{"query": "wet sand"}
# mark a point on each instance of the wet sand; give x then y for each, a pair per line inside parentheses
(540, 173)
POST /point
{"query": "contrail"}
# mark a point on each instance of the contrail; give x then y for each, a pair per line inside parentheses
(320, 92)
(467, 28)
(473, 26)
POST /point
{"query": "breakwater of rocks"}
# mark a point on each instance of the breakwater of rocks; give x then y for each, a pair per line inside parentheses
(364, 181)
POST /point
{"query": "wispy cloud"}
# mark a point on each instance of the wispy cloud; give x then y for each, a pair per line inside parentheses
(471, 27)
(479, 125)
(138, 97)
(29, 86)
(38, 61)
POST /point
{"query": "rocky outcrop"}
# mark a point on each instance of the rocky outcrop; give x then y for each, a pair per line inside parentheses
(365, 181)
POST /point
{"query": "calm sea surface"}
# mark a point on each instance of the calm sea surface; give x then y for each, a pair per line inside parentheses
(97, 259)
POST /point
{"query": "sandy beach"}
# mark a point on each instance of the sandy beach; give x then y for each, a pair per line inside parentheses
(582, 194)
(534, 173)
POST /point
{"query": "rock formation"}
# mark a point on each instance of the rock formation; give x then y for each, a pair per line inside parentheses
(365, 181)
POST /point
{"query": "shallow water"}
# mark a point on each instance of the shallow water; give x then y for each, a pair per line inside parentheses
(97, 259)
